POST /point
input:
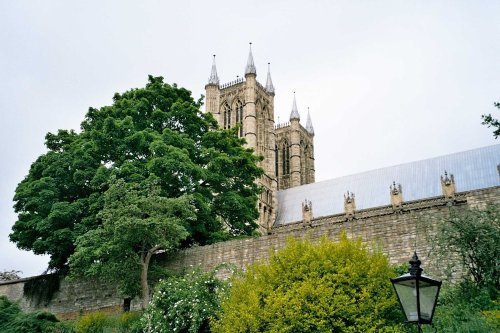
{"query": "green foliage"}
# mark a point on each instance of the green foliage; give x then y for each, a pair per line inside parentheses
(95, 322)
(129, 322)
(40, 289)
(137, 223)
(465, 308)
(325, 287)
(9, 275)
(13, 320)
(184, 303)
(474, 236)
(489, 121)
(157, 131)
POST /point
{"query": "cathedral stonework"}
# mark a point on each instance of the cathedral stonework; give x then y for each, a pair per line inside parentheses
(287, 149)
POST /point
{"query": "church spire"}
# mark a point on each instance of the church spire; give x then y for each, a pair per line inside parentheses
(250, 69)
(295, 112)
(309, 124)
(213, 79)
(269, 83)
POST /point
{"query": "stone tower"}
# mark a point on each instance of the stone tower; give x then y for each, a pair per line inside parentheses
(295, 151)
(249, 105)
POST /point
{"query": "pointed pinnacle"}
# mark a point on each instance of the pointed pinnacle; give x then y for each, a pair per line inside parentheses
(269, 83)
(250, 69)
(295, 112)
(309, 125)
(213, 79)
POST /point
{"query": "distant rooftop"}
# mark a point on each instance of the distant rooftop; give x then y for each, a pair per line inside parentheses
(472, 169)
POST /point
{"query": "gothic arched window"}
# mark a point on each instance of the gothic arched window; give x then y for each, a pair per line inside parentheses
(276, 164)
(303, 154)
(239, 116)
(227, 116)
(286, 158)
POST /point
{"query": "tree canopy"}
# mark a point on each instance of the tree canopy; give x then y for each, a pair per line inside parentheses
(157, 131)
(9, 275)
(473, 235)
(489, 121)
(328, 287)
(468, 239)
(137, 222)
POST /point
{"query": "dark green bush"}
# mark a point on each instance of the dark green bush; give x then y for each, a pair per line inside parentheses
(14, 320)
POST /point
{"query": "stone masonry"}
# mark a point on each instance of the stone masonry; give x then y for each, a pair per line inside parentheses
(394, 230)
(287, 149)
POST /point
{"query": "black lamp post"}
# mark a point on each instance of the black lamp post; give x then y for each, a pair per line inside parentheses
(417, 294)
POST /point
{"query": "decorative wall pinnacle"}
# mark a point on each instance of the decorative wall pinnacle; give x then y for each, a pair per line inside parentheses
(349, 204)
(295, 112)
(448, 185)
(307, 215)
(250, 69)
(309, 125)
(213, 79)
(269, 83)
(396, 195)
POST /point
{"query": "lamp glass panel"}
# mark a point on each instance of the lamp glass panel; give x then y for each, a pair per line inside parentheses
(428, 294)
(407, 294)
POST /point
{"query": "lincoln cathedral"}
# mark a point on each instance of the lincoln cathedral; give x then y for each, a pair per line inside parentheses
(384, 206)
(289, 191)
(287, 148)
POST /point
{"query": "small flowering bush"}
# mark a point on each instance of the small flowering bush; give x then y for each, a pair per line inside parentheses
(184, 303)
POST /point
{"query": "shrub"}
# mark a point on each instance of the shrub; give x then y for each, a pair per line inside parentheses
(184, 303)
(13, 320)
(129, 322)
(94, 322)
(464, 308)
(325, 287)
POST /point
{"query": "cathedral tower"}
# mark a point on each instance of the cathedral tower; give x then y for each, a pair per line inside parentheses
(249, 105)
(288, 149)
(295, 151)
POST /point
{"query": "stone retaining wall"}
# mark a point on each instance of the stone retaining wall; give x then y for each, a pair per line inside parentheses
(395, 231)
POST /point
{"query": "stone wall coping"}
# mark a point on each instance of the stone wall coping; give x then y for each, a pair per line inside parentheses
(406, 207)
(26, 279)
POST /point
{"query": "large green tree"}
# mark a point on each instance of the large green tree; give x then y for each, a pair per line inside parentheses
(473, 236)
(137, 223)
(327, 287)
(157, 130)
(489, 121)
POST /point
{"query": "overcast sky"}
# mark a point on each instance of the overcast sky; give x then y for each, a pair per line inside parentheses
(387, 82)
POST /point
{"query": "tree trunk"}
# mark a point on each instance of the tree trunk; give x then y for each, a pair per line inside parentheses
(144, 284)
(145, 259)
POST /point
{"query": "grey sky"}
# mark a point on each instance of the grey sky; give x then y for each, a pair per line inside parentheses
(387, 82)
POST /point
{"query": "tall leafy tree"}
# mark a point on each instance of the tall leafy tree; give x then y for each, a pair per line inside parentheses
(9, 275)
(489, 121)
(473, 236)
(137, 222)
(158, 131)
(325, 287)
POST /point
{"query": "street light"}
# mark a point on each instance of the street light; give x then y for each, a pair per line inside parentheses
(417, 294)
